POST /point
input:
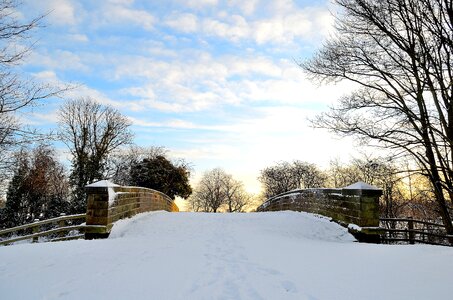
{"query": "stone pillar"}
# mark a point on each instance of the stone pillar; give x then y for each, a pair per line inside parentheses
(369, 202)
(98, 209)
(369, 211)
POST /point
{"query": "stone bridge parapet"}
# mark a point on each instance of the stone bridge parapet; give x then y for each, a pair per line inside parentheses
(108, 202)
(355, 204)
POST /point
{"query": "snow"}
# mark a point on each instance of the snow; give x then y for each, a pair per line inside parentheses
(272, 255)
(102, 183)
(354, 227)
(361, 186)
(109, 185)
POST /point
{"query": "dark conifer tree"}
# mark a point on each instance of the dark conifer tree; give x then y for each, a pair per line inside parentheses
(162, 175)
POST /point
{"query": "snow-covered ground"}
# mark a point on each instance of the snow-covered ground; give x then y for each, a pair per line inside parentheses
(280, 255)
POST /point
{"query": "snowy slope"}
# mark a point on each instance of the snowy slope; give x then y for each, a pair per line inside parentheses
(280, 255)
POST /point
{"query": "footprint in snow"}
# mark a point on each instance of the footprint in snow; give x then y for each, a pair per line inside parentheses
(289, 286)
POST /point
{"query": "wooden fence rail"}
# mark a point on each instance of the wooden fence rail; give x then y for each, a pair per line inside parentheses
(62, 229)
(408, 230)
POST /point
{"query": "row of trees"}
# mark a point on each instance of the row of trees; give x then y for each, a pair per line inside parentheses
(406, 191)
(38, 189)
(41, 187)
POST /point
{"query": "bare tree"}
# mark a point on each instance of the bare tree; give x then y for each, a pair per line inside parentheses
(372, 170)
(209, 194)
(341, 175)
(286, 176)
(91, 131)
(399, 52)
(277, 179)
(216, 190)
(236, 197)
(307, 175)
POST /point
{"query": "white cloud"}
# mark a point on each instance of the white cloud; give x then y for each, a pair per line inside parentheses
(119, 12)
(43, 118)
(291, 89)
(286, 25)
(46, 76)
(204, 82)
(191, 85)
(183, 22)
(121, 2)
(173, 123)
(58, 60)
(236, 29)
(86, 91)
(281, 6)
(161, 51)
(62, 12)
(246, 7)
(307, 24)
(198, 4)
(77, 37)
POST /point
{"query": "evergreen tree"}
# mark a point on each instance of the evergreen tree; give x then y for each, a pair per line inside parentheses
(15, 211)
(162, 175)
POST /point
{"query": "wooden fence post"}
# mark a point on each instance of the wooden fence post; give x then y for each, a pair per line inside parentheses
(62, 223)
(35, 230)
(410, 227)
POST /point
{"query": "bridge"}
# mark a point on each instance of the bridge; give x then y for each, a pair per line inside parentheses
(357, 204)
(267, 255)
(355, 207)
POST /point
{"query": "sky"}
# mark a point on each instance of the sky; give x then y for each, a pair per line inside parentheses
(215, 82)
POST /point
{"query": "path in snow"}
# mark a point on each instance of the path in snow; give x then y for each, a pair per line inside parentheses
(280, 255)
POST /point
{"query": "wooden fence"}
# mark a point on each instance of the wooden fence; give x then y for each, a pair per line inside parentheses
(411, 231)
(55, 229)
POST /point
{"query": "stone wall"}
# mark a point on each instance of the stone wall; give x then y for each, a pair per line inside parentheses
(108, 202)
(356, 204)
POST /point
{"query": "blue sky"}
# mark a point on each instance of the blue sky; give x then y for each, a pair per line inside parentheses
(213, 81)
